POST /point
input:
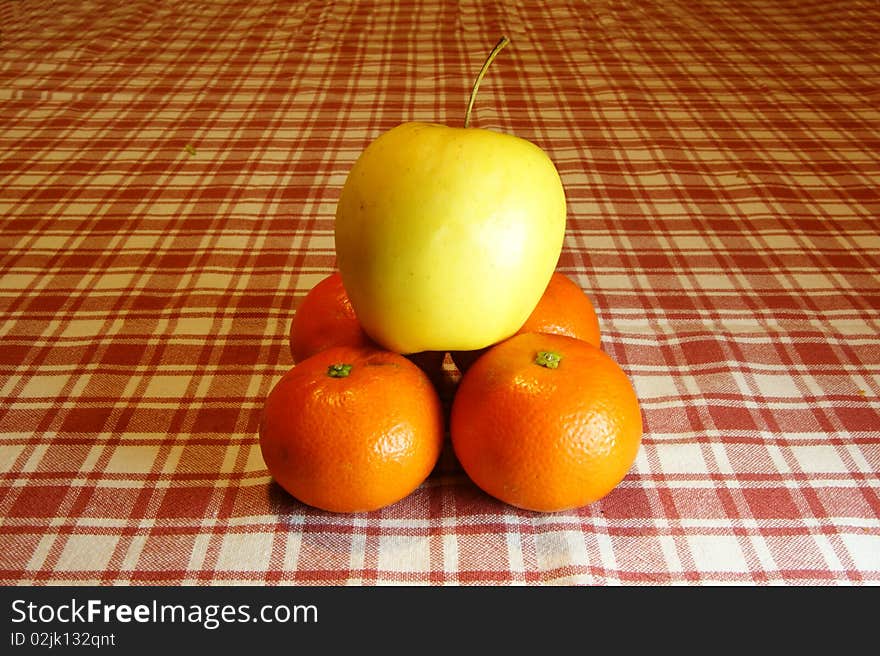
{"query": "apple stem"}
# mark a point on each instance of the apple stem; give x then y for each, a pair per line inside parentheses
(498, 46)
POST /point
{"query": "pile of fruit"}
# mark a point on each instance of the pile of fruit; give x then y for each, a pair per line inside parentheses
(447, 242)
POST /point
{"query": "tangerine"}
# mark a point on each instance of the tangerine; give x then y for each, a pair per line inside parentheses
(352, 429)
(546, 422)
(563, 309)
(326, 318)
(323, 319)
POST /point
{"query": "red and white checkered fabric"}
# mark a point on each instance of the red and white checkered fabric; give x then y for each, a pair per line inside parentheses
(168, 180)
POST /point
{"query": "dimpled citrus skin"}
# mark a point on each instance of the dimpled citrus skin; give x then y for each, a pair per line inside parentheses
(564, 309)
(446, 237)
(325, 318)
(546, 439)
(354, 443)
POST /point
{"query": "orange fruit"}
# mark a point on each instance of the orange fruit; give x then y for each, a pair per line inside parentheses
(563, 309)
(546, 422)
(326, 318)
(323, 319)
(352, 429)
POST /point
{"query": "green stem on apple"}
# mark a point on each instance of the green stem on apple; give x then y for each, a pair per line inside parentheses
(498, 46)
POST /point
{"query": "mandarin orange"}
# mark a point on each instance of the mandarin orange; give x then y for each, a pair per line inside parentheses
(325, 318)
(352, 429)
(564, 309)
(546, 422)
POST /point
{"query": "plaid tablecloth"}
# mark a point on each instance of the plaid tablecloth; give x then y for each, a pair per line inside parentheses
(169, 173)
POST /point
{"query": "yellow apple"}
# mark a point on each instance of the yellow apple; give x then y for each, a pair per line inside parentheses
(447, 237)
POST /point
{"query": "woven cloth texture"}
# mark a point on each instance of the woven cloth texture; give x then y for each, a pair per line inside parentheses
(168, 181)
